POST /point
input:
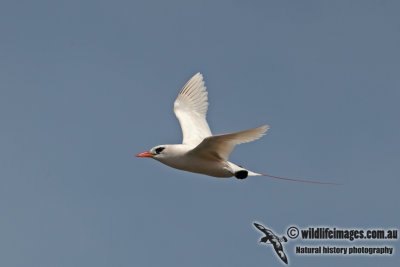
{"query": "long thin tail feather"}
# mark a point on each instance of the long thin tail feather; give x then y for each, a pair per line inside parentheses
(290, 179)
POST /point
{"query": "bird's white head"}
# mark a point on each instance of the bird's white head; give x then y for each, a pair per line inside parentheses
(171, 155)
(157, 152)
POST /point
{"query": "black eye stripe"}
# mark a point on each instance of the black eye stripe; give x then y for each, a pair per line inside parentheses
(159, 149)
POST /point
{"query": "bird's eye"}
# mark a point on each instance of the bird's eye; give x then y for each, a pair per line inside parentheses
(159, 149)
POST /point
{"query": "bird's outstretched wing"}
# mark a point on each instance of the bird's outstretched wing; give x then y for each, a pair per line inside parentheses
(261, 228)
(221, 146)
(190, 108)
(281, 254)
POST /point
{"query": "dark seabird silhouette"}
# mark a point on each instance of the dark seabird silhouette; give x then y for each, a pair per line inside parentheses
(273, 240)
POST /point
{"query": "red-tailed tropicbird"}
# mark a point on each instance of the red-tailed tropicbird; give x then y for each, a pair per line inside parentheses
(200, 151)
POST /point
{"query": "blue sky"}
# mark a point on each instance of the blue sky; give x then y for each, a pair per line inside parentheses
(86, 85)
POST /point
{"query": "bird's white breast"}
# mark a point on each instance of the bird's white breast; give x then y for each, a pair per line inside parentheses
(196, 163)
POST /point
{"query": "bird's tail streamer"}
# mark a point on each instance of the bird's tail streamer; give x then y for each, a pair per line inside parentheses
(293, 180)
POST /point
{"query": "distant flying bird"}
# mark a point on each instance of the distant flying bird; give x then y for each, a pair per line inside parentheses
(274, 240)
(200, 151)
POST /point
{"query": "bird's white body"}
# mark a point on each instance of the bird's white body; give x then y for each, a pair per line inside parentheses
(180, 157)
(200, 151)
(193, 163)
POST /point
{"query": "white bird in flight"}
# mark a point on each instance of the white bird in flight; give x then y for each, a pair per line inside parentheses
(200, 151)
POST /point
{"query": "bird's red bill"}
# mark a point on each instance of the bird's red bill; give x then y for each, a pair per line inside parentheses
(145, 154)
